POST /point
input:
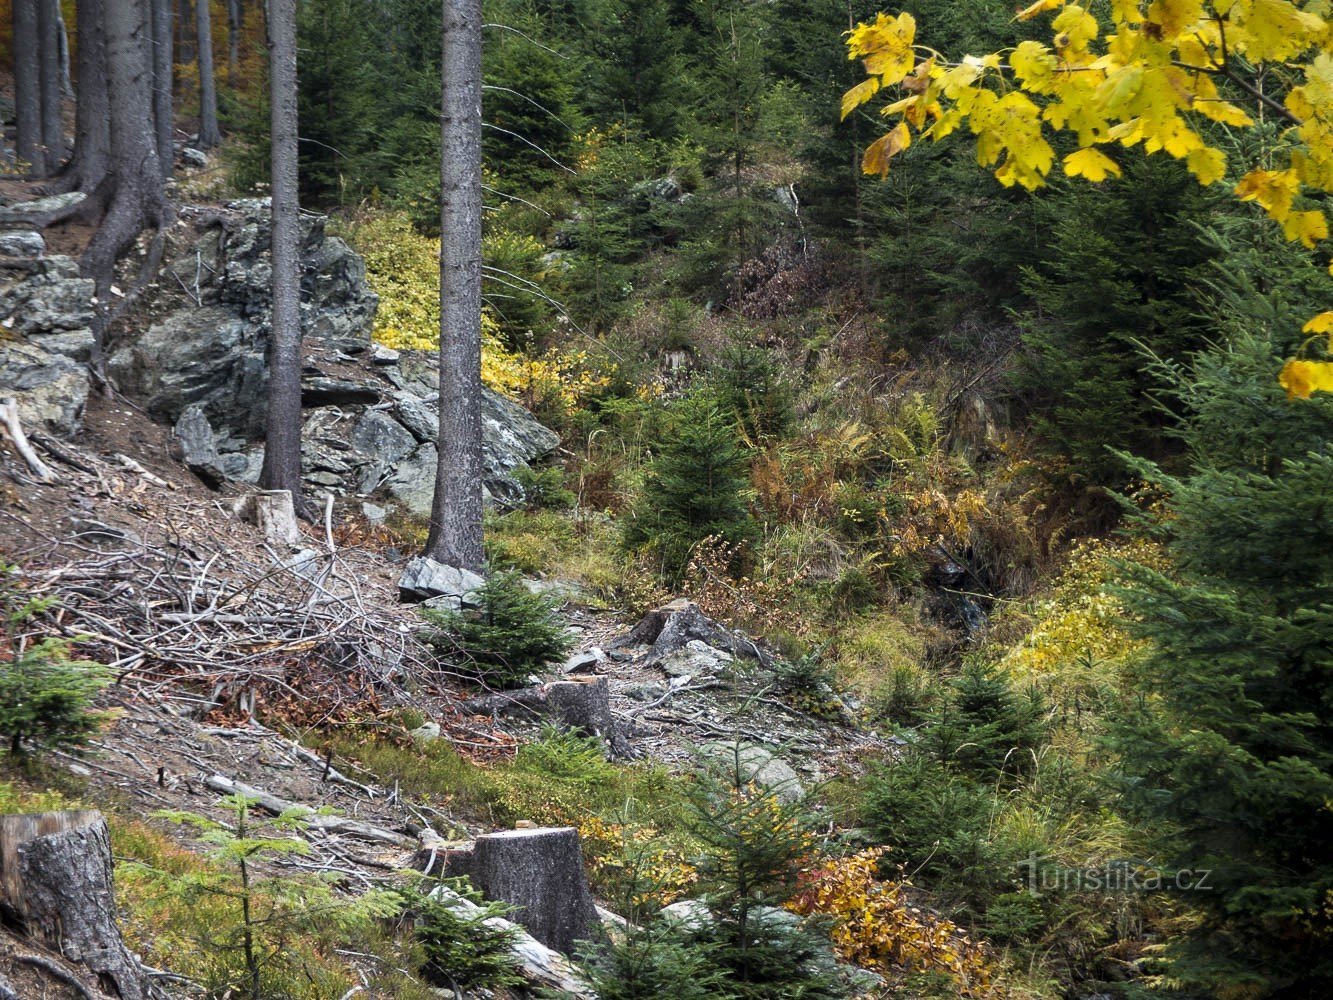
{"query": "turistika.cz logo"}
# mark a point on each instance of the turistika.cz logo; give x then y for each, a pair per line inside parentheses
(1044, 876)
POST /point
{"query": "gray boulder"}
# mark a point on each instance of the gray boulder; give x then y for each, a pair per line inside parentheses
(755, 763)
(22, 243)
(198, 445)
(695, 659)
(22, 210)
(208, 348)
(425, 578)
(45, 341)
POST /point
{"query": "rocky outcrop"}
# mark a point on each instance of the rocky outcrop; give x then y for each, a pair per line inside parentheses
(371, 413)
(46, 314)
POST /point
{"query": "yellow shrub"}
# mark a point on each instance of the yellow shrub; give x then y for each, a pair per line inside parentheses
(1082, 622)
(876, 927)
(403, 267)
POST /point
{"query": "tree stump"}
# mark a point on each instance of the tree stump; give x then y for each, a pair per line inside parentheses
(539, 871)
(273, 513)
(55, 887)
(581, 704)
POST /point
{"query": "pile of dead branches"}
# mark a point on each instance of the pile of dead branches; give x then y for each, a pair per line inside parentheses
(239, 625)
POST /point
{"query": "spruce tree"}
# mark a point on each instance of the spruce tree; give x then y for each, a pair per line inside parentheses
(695, 488)
(1227, 748)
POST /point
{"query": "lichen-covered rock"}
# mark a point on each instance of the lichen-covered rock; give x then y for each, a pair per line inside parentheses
(425, 578)
(757, 764)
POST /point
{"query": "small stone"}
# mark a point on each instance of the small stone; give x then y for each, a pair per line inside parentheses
(374, 513)
(192, 157)
(381, 355)
(645, 691)
(584, 663)
(198, 448)
(22, 243)
(305, 563)
(426, 733)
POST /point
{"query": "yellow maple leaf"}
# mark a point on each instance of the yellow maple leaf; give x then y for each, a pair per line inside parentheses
(859, 94)
(1040, 7)
(886, 46)
(1273, 189)
(883, 149)
(1307, 228)
(1302, 378)
(1173, 17)
(1207, 165)
(1323, 323)
(1093, 164)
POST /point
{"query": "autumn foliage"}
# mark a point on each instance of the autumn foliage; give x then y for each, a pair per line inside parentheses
(877, 927)
(1163, 79)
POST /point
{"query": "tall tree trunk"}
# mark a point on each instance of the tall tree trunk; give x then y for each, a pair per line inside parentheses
(234, 23)
(135, 196)
(163, 122)
(208, 96)
(48, 57)
(184, 22)
(92, 132)
(455, 518)
(28, 87)
(88, 167)
(282, 443)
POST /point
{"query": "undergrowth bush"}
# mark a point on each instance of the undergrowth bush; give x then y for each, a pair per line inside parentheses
(44, 694)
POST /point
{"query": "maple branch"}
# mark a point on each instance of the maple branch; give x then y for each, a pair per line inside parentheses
(1224, 70)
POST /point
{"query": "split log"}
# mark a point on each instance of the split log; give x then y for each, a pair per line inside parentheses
(540, 871)
(9, 417)
(541, 966)
(55, 884)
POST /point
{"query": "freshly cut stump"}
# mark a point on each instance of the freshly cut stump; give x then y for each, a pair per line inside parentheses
(539, 871)
(55, 887)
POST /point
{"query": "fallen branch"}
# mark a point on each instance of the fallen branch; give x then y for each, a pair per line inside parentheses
(9, 417)
(328, 824)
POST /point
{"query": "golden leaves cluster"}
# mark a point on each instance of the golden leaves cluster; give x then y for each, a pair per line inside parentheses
(1162, 71)
(875, 925)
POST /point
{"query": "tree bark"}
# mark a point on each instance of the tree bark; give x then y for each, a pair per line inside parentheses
(208, 96)
(55, 882)
(66, 82)
(282, 443)
(185, 21)
(163, 111)
(48, 57)
(135, 196)
(27, 87)
(455, 521)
